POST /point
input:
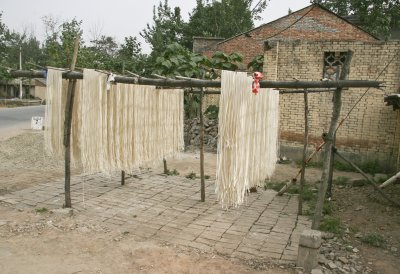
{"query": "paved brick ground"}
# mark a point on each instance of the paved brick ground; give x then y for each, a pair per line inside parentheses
(168, 209)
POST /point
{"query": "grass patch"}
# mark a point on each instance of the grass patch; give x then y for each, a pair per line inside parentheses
(374, 239)
(273, 185)
(331, 224)
(312, 202)
(308, 194)
(314, 164)
(341, 181)
(191, 176)
(172, 173)
(41, 210)
(341, 166)
(370, 167)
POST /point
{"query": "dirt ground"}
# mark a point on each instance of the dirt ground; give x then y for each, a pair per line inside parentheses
(48, 243)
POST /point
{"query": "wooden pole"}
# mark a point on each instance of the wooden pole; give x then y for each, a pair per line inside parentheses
(165, 166)
(67, 127)
(122, 177)
(390, 181)
(303, 163)
(337, 105)
(202, 189)
(200, 83)
(371, 181)
(294, 180)
(330, 174)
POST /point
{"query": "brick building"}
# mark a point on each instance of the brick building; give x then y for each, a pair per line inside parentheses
(372, 131)
(310, 44)
(312, 23)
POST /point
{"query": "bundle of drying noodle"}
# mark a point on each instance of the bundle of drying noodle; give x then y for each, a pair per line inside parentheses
(248, 137)
(127, 127)
(56, 97)
(54, 112)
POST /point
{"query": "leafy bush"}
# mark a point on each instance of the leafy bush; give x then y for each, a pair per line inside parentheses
(331, 224)
(212, 111)
(374, 239)
(257, 63)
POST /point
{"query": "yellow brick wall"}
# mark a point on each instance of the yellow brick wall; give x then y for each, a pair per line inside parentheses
(373, 130)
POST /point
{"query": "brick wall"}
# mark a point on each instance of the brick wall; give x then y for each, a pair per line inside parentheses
(373, 130)
(314, 24)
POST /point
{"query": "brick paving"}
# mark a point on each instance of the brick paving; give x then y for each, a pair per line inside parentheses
(168, 208)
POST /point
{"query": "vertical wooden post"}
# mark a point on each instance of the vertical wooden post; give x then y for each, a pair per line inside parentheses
(331, 163)
(122, 177)
(165, 166)
(303, 165)
(202, 189)
(67, 127)
(337, 105)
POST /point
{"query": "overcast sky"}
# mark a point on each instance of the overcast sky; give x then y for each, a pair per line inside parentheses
(116, 18)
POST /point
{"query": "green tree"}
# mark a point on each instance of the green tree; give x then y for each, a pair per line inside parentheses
(167, 28)
(222, 19)
(131, 56)
(3, 48)
(376, 16)
(11, 43)
(60, 41)
(178, 60)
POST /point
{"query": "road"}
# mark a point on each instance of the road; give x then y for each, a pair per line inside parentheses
(13, 121)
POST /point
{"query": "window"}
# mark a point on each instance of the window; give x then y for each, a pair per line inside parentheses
(333, 63)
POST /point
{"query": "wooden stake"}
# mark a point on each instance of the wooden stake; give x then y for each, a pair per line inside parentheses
(390, 181)
(330, 174)
(337, 105)
(202, 189)
(294, 179)
(67, 127)
(303, 165)
(122, 177)
(371, 181)
(165, 166)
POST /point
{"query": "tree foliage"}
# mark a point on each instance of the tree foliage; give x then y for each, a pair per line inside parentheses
(168, 35)
(222, 19)
(376, 16)
(167, 28)
(11, 43)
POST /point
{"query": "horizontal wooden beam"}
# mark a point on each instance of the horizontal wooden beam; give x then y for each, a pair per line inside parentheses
(183, 83)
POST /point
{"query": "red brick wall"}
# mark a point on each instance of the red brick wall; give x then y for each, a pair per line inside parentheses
(316, 25)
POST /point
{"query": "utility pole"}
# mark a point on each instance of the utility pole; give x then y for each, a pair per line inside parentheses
(20, 67)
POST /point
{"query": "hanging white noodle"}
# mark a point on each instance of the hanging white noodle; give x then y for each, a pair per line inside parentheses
(128, 127)
(56, 96)
(54, 113)
(248, 137)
